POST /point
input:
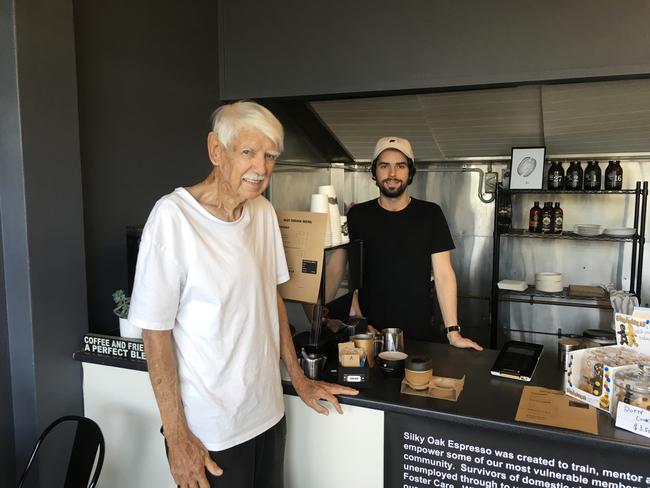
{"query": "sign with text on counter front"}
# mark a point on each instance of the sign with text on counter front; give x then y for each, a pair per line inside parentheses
(303, 237)
(421, 453)
(116, 347)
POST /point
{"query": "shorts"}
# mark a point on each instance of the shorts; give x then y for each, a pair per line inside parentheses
(256, 463)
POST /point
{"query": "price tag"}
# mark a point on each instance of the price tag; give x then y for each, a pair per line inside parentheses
(633, 418)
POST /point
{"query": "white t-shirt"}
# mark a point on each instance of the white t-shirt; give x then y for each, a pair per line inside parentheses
(214, 284)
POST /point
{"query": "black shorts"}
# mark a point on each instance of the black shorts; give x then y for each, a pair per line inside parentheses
(257, 463)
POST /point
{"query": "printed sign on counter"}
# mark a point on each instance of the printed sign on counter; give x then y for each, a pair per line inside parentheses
(303, 237)
(634, 419)
(421, 453)
(117, 347)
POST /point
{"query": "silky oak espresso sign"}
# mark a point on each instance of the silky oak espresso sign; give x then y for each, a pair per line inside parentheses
(421, 452)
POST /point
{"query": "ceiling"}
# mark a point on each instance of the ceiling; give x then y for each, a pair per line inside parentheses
(609, 117)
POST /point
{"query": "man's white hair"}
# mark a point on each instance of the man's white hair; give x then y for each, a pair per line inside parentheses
(231, 118)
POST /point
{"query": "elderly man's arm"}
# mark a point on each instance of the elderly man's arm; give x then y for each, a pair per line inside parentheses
(188, 457)
(308, 390)
(446, 290)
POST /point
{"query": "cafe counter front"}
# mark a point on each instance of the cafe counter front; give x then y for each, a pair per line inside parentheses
(386, 438)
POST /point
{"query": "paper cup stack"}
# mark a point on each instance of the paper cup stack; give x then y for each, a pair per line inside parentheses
(549, 282)
(320, 204)
(325, 202)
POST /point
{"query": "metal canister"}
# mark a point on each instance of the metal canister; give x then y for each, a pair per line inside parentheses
(564, 349)
(564, 346)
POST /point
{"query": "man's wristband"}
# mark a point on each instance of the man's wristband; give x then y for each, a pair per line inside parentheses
(453, 328)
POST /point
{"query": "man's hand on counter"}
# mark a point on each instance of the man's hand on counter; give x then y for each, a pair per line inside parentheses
(311, 392)
(457, 340)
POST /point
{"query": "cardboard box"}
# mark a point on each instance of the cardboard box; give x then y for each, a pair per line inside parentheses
(303, 238)
(590, 372)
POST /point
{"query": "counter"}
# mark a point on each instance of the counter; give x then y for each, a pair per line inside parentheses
(389, 439)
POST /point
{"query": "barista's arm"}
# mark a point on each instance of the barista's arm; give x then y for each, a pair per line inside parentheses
(446, 290)
(356, 308)
(309, 391)
(188, 457)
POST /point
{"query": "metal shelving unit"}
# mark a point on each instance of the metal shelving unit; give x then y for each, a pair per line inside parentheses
(531, 295)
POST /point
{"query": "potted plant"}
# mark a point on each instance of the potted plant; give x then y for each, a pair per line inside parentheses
(121, 309)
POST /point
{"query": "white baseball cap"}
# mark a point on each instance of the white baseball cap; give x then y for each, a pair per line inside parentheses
(398, 143)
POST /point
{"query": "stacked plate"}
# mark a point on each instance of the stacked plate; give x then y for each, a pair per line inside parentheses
(620, 231)
(549, 282)
(588, 230)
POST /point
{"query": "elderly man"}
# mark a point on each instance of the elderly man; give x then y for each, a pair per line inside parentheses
(214, 324)
(404, 241)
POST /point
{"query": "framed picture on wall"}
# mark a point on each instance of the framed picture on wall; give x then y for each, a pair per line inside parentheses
(527, 168)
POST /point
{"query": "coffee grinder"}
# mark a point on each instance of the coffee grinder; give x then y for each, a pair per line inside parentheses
(330, 318)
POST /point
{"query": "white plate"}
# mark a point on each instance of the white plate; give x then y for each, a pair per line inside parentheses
(548, 277)
(620, 231)
(588, 230)
(549, 287)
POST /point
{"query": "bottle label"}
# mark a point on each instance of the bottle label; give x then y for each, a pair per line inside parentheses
(558, 224)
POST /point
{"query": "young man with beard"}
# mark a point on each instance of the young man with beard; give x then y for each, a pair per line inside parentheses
(404, 240)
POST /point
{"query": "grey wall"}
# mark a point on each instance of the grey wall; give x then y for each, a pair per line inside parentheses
(7, 459)
(42, 228)
(290, 48)
(148, 82)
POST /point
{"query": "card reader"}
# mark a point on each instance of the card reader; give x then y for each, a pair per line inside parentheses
(517, 360)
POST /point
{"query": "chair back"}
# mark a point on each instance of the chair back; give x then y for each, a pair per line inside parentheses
(86, 457)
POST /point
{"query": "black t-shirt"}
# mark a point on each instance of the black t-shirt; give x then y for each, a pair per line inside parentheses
(397, 250)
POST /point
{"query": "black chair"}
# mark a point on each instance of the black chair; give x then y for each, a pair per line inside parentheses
(88, 445)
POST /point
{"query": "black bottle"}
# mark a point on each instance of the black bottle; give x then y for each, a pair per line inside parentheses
(592, 176)
(535, 219)
(555, 177)
(614, 176)
(573, 180)
(558, 219)
(504, 215)
(547, 218)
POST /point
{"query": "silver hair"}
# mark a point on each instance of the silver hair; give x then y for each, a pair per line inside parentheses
(231, 118)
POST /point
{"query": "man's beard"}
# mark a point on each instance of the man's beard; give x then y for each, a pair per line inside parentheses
(392, 193)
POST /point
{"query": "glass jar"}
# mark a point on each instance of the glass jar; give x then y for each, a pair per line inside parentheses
(632, 386)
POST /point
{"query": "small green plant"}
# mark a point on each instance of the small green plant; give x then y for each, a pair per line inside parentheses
(122, 303)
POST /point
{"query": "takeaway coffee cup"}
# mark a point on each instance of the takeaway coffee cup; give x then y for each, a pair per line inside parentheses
(418, 371)
(393, 339)
(367, 343)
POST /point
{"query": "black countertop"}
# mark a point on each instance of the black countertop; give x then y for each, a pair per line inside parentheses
(486, 400)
